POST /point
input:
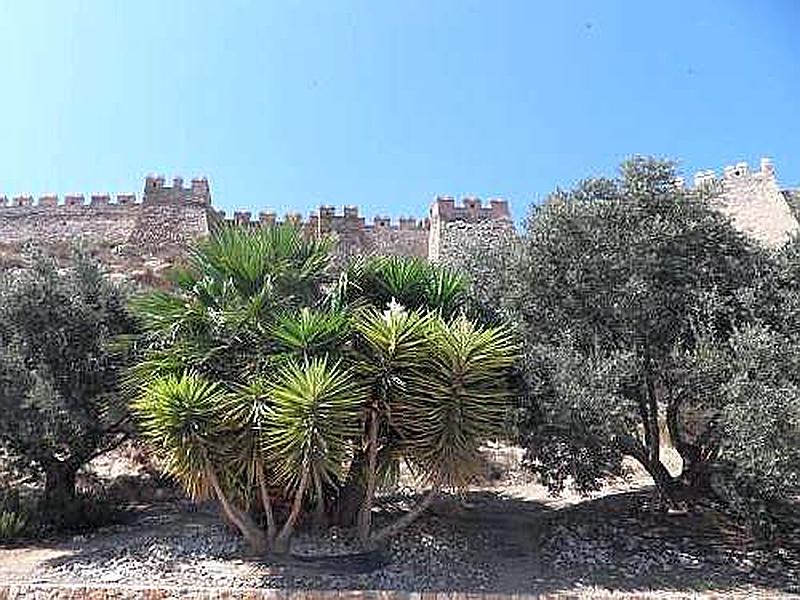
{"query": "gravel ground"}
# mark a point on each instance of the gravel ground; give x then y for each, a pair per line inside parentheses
(508, 537)
(488, 542)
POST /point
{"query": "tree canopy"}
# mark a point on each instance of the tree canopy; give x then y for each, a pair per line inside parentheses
(59, 369)
(277, 389)
(634, 294)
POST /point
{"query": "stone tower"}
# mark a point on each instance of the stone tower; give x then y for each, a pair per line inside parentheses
(467, 227)
(753, 200)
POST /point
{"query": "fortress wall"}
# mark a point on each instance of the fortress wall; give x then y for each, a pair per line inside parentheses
(396, 242)
(133, 239)
(166, 215)
(111, 224)
(405, 237)
(753, 201)
(132, 236)
(469, 227)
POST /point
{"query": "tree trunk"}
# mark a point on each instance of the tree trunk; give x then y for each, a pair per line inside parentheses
(252, 533)
(351, 495)
(407, 519)
(365, 516)
(266, 504)
(282, 541)
(59, 486)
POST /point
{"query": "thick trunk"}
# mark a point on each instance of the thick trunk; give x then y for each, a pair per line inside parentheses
(351, 495)
(365, 517)
(59, 486)
(661, 476)
(695, 477)
(665, 482)
(251, 532)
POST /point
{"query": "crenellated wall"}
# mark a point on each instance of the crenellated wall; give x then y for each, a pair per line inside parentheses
(406, 236)
(468, 225)
(132, 237)
(444, 228)
(753, 200)
(143, 238)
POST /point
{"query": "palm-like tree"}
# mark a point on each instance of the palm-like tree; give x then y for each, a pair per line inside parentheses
(412, 282)
(307, 433)
(439, 389)
(261, 385)
(239, 282)
(187, 421)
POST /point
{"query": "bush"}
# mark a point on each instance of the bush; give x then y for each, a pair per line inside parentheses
(59, 371)
(14, 520)
(267, 385)
(640, 304)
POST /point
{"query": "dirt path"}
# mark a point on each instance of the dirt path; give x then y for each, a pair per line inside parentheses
(504, 539)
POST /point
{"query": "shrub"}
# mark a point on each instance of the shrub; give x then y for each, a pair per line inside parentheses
(59, 371)
(642, 304)
(277, 392)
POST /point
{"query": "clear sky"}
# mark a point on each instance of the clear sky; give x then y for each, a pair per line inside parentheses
(287, 105)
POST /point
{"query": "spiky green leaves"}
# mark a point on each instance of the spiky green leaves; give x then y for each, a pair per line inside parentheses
(414, 283)
(185, 420)
(444, 387)
(250, 258)
(311, 333)
(393, 341)
(315, 413)
(458, 400)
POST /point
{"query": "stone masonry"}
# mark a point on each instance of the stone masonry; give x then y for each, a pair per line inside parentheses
(754, 201)
(140, 239)
(136, 239)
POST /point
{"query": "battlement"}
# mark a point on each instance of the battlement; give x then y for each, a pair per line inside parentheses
(327, 220)
(735, 175)
(752, 200)
(470, 210)
(155, 192)
(51, 201)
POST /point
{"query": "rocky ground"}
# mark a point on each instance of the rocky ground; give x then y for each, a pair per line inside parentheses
(509, 537)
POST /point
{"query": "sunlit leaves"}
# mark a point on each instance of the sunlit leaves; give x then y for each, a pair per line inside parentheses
(184, 418)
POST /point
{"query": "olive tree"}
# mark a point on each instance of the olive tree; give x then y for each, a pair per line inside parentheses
(60, 370)
(635, 293)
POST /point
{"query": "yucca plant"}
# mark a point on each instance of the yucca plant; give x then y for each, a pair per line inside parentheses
(307, 432)
(186, 420)
(392, 344)
(295, 432)
(456, 401)
(13, 525)
(440, 388)
(270, 392)
(14, 522)
(412, 282)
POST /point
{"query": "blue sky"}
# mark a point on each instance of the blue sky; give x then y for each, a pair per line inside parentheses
(286, 105)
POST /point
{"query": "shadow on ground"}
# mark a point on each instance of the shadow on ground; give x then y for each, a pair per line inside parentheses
(484, 541)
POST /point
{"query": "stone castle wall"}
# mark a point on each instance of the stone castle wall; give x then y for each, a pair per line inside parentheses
(143, 238)
(754, 201)
(455, 228)
(134, 238)
(406, 237)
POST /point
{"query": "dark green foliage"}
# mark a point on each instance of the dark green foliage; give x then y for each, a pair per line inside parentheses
(59, 371)
(265, 384)
(14, 518)
(639, 304)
